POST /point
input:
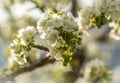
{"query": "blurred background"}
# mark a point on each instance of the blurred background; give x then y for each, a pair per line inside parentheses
(16, 14)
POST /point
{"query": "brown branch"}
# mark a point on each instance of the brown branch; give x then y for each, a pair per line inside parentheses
(41, 63)
(74, 7)
(41, 47)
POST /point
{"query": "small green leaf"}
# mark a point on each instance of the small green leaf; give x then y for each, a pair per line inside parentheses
(59, 13)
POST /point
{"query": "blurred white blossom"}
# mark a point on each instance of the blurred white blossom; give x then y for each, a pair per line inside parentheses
(99, 12)
(95, 69)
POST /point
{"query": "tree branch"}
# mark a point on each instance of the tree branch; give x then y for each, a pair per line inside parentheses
(74, 7)
(41, 47)
(26, 69)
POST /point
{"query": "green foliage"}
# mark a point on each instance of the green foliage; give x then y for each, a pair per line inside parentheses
(24, 49)
(97, 21)
(68, 49)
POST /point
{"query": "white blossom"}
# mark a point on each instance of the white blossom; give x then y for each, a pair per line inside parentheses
(25, 41)
(26, 35)
(21, 46)
(109, 8)
(96, 65)
(18, 59)
(53, 26)
(15, 46)
(52, 36)
(55, 53)
(26, 32)
(112, 9)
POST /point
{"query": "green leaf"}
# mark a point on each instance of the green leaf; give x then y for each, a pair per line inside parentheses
(59, 13)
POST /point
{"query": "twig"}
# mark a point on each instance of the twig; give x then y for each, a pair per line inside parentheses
(38, 5)
(74, 7)
(26, 69)
(41, 47)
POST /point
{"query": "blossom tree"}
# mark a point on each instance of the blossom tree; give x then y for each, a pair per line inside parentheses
(65, 36)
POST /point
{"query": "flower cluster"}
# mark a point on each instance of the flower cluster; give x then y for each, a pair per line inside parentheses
(96, 69)
(60, 32)
(21, 46)
(92, 16)
(112, 9)
(100, 12)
